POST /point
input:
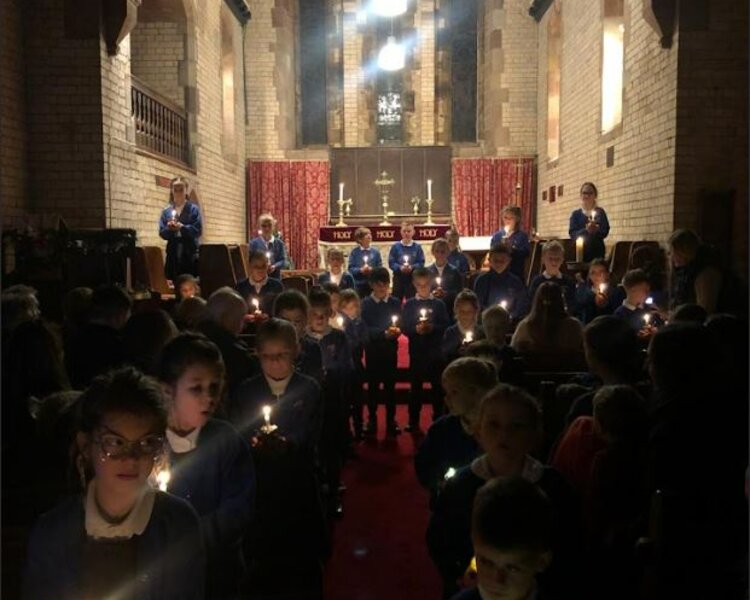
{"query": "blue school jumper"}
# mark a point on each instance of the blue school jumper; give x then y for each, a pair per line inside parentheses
(425, 359)
(381, 353)
(279, 258)
(452, 283)
(358, 336)
(357, 261)
(586, 307)
(402, 284)
(566, 282)
(459, 261)
(345, 283)
(267, 294)
(519, 249)
(633, 315)
(453, 340)
(492, 287)
(593, 243)
(217, 478)
(310, 359)
(182, 245)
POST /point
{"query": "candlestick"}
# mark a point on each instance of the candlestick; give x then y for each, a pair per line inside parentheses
(438, 281)
(579, 249)
(422, 314)
(429, 189)
(468, 337)
(162, 479)
(344, 206)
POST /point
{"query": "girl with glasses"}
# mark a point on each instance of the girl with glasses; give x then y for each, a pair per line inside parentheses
(590, 223)
(120, 538)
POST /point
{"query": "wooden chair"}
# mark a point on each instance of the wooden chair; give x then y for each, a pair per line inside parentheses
(238, 264)
(535, 266)
(215, 268)
(296, 282)
(619, 260)
(148, 270)
(245, 253)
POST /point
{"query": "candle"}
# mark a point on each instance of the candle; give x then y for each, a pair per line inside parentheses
(366, 259)
(593, 215)
(450, 473)
(649, 300)
(267, 414)
(174, 214)
(340, 321)
(268, 255)
(406, 260)
(162, 479)
(579, 249)
(429, 189)
(468, 337)
(394, 320)
(647, 318)
(504, 304)
(256, 305)
(341, 192)
(260, 233)
(438, 281)
(422, 314)
(602, 288)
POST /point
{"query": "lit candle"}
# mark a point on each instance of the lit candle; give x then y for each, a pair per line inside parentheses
(256, 305)
(267, 414)
(579, 249)
(593, 215)
(649, 300)
(450, 473)
(162, 479)
(429, 189)
(422, 314)
(260, 233)
(341, 192)
(366, 259)
(602, 288)
(268, 255)
(394, 320)
(647, 318)
(438, 281)
(406, 260)
(468, 337)
(506, 229)
(340, 321)
(174, 214)
(504, 304)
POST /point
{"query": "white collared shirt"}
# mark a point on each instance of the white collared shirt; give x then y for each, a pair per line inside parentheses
(259, 286)
(629, 306)
(134, 524)
(278, 387)
(378, 300)
(548, 276)
(181, 444)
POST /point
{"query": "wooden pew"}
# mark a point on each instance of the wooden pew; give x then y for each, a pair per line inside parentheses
(148, 270)
(215, 268)
(241, 271)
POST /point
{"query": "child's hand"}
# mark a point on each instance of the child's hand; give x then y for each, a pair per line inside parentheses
(600, 299)
(366, 268)
(592, 227)
(424, 327)
(406, 269)
(392, 332)
(646, 332)
(438, 292)
(271, 268)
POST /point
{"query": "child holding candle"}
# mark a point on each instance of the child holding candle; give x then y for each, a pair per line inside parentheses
(287, 539)
(447, 281)
(499, 284)
(181, 226)
(381, 313)
(337, 364)
(590, 223)
(405, 256)
(186, 286)
(122, 537)
(508, 430)
(293, 306)
(271, 246)
(634, 309)
(358, 335)
(259, 287)
(363, 259)
(466, 328)
(455, 257)
(210, 465)
(336, 273)
(336, 320)
(596, 296)
(450, 441)
(425, 319)
(512, 236)
(553, 256)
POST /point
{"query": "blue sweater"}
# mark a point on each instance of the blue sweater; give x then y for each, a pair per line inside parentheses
(566, 282)
(377, 317)
(276, 247)
(492, 287)
(170, 561)
(345, 283)
(402, 284)
(459, 261)
(297, 412)
(424, 347)
(593, 243)
(586, 307)
(634, 317)
(182, 245)
(451, 281)
(267, 295)
(336, 356)
(519, 249)
(310, 359)
(218, 479)
(357, 335)
(453, 340)
(357, 261)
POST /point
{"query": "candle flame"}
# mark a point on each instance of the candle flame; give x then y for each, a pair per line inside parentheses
(406, 259)
(602, 288)
(340, 321)
(267, 414)
(451, 472)
(255, 303)
(504, 304)
(438, 280)
(469, 337)
(647, 318)
(366, 258)
(162, 479)
(649, 300)
(394, 320)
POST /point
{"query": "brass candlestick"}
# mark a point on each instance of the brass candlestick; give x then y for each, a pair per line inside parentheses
(415, 200)
(343, 206)
(384, 182)
(429, 202)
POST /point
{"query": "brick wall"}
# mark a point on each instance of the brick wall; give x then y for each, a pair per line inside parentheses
(637, 191)
(13, 116)
(156, 51)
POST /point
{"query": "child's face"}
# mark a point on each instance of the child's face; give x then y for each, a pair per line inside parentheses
(598, 274)
(452, 241)
(454, 391)
(506, 574)
(195, 396)
(277, 359)
(422, 285)
(380, 289)
(466, 315)
(296, 317)
(499, 261)
(350, 309)
(441, 255)
(552, 262)
(335, 263)
(318, 319)
(506, 435)
(187, 289)
(366, 240)
(258, 270)
(123, 450)
(407, 233)
(509, 221)
(638, 293)
(266, 229)
(588, 197)
(335, 302)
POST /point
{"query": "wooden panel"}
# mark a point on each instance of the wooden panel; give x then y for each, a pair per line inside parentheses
(367, 200)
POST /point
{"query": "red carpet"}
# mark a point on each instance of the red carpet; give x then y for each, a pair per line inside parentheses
(379, 550)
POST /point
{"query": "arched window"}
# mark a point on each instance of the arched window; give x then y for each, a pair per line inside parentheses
(554, 61)
(228, 90)
(613, 63)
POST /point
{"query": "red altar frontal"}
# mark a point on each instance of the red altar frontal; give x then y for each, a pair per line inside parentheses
(382, 233)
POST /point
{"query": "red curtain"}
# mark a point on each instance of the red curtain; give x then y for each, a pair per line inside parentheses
(483, 186)
(296, 193)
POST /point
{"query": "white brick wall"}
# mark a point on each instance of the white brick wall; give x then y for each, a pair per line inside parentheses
(156, 51)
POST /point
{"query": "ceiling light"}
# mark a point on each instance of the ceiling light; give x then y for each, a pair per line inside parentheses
(388, 8)
(391, 56)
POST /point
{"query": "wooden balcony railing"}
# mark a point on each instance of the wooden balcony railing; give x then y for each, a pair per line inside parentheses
(160, 125)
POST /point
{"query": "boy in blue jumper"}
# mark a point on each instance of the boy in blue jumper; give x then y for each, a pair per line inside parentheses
(259, 290)
(499, 285)
(424, 322)
(596, 297)
(634, 308)
(405, 256)
(293, 306)
(363, 259)
(512, 236)
(382, 314)
(336, 273)
(553, 256)
(358, 335)
(455, 257)
(271, 246)
(465, 330)
(446, 279)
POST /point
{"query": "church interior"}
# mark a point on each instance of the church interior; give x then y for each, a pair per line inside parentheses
(227, 223)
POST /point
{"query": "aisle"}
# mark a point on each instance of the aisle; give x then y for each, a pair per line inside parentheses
(379, 549)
